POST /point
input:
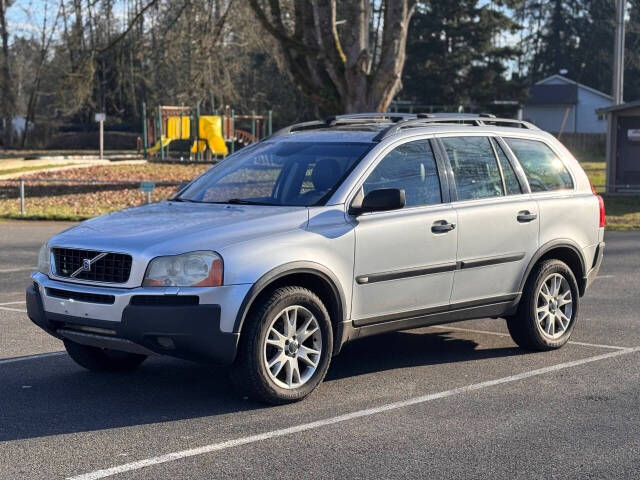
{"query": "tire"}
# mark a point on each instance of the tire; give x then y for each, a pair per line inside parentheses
(102, 359)
(537, 325)
(251, 374)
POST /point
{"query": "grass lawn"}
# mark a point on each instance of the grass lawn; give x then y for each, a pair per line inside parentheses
(46, 201)
(79, 201)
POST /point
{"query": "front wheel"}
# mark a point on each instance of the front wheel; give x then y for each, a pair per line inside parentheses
(285, 348)
(102, 359)
(548, 310)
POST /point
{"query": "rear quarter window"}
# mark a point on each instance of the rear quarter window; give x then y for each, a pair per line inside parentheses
(545, 171)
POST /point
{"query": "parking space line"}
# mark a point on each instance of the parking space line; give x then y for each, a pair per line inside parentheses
(13, 309)
(214, 447)
(29, 357)
(13, 303)
(17, 269)
(500, 334)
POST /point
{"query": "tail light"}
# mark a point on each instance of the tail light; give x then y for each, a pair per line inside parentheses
(603, 217)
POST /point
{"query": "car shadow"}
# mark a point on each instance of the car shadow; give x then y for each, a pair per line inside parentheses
(409, 349)
(51, 395)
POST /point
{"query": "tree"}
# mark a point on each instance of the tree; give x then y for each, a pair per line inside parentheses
(344, 58)
(7, 97)
(454, 59)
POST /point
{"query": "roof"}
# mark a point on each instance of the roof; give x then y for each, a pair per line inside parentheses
(544, 93)
(619, 107)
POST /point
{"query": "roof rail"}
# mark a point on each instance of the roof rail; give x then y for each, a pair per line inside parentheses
(348, 119)
(401, 121)
(480, 120)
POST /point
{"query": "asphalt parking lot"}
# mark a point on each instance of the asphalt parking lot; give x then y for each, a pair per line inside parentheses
(456, 401)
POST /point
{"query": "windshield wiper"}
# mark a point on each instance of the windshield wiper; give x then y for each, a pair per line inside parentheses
(241, 201)
(179, 199)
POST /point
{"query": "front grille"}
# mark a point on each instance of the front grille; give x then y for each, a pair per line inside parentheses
(81, 296)
(111, 268)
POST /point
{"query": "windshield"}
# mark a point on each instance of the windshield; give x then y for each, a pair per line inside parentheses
(283, 173)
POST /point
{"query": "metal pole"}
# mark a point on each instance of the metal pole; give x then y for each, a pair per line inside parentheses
(22, 209)
(270, 125)
(618, 55)
(148, 196)
(233, 131)
(144, 129)
(253, 123)
(197, 131)
(160, 130)
(101, 139)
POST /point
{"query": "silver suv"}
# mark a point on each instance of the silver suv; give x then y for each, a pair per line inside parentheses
(329, 231)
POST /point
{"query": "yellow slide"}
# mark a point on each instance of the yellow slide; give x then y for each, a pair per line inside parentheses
(162, 143)
(210, 133)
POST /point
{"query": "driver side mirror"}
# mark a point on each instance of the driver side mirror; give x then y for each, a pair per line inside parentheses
(381, 200)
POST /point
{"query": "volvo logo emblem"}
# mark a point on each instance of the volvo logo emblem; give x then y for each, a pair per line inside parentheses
(87, 262)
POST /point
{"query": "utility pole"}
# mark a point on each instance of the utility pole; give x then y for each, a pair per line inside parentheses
(618, 55)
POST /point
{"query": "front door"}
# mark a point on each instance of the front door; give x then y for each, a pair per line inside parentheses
(404, 259)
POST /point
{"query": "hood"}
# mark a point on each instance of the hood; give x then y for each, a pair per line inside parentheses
(174, 227)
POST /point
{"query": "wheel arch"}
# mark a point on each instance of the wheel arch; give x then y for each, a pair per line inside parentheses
(565, 250)
(314, 276)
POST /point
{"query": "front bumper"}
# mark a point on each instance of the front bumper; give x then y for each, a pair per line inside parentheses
(168, 327)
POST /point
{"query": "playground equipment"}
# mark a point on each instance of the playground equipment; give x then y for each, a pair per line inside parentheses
(182, 129)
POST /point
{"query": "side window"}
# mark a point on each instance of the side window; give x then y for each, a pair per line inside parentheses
(510, 178)
(411, 167)
(475, 169)
(545, 171)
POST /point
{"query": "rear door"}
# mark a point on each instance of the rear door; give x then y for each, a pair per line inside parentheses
(405, 259)
(497, 221)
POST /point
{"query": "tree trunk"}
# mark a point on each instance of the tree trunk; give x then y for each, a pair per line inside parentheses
(7, 97)
(333, 60)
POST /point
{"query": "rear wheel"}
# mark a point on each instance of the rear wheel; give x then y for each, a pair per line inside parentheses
(102, 359)
(549, 308)
(285, 348)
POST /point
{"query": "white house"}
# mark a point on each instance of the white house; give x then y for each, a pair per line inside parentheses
(559, 104)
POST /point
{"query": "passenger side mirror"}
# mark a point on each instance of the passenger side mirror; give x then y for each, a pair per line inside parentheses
(380, 200)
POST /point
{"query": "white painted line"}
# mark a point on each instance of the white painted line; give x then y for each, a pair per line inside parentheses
(13, 303)
(30, 357)
(13, 309)
(18, 269)
(500, 334)
(605, 276)
(214, 447)
(597, 345)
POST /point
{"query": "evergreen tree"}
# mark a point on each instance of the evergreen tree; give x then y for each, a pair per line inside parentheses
(452, 54)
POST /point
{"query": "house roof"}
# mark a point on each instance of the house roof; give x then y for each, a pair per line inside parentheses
(619, 107)
(544, 93)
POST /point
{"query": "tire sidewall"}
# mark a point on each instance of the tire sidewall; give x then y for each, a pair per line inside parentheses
(546, 270)
(315, 306)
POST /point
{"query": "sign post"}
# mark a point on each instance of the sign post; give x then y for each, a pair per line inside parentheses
(100, 118)
(147, 188)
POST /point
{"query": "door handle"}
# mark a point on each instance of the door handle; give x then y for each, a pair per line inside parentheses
(526, 216)
(442, 226)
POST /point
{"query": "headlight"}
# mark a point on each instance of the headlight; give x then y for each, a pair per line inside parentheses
(44, 259)
(195, 269)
